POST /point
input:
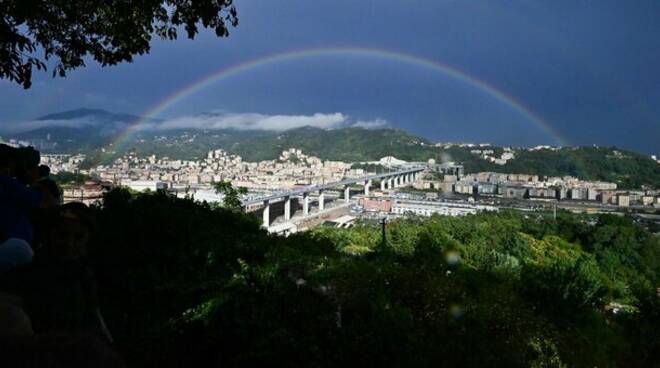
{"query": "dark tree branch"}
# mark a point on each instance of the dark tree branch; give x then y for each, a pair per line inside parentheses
(110, 31)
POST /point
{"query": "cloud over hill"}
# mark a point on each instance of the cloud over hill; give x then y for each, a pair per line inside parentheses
(86, 118)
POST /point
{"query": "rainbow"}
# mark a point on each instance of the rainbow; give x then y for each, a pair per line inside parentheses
(390, 55)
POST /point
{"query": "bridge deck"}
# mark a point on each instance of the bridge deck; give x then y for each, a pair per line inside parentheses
(317, 187)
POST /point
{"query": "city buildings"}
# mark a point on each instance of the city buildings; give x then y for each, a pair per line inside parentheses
(293, 168)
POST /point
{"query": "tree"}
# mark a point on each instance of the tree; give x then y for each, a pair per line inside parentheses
(232, 196)
(109, 31)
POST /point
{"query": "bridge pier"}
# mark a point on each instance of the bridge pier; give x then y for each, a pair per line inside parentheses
(287, 208)
(305, 203)
(388, 180)
(266, 214)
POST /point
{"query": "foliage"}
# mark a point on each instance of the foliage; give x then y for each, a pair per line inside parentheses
(67, 178)
(186, 283)
(231, 195)
(370, 168)
(627, 169)
(110, 31)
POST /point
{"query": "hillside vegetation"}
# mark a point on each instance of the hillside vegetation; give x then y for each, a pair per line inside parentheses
(186, 283)
(628, 169)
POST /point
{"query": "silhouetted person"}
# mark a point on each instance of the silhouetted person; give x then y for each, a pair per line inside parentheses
(58, 288)
(44, 171)
(16, 199)
(50, 192)
(58, 350)
(27, 165)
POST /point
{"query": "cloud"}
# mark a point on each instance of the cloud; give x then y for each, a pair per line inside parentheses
(26, 126)
(213, 121)
(250, 121)
(371, 124)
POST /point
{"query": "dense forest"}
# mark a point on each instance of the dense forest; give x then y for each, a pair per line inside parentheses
(185, 283)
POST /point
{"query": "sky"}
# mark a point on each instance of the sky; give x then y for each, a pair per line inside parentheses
(514, 72)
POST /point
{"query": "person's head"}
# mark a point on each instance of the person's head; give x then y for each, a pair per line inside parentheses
(14, 253)
(27, 165)
(14, 322)
(44, 171)
(69, 232)
(7, 160)
(50, 190)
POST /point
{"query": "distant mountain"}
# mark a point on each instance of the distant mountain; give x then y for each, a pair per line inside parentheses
(92, 131)
(73, 131)
(81, 130)
(95, 115)
(348, 144)
(627, 169)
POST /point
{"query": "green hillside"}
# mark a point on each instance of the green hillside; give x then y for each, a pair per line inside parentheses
(348, 144)
(626, 168)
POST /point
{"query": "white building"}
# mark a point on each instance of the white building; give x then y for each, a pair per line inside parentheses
(144, 185)
(427, 208)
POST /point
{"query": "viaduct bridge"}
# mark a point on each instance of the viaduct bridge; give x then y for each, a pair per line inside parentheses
(388, 180)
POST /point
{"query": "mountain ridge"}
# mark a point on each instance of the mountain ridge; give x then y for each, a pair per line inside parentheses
(351, 144)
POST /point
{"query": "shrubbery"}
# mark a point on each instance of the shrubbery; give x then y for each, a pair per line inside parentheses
(186, 283)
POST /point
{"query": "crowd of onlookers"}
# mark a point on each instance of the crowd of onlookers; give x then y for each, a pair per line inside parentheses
(49, 312)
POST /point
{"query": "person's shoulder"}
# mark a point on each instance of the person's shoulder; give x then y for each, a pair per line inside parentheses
(6, 180)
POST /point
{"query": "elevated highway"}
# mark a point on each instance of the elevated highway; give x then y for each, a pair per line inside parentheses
(388, 180)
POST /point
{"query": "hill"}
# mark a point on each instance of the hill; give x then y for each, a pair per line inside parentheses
(346, 144)
(80, 130)
(91, 130)
(626, 168)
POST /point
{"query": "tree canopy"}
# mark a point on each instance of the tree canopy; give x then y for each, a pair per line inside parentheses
(232, 196)
(186, 283)
(34, 32)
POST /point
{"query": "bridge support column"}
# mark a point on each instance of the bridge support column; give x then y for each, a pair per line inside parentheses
(347, 193)
(367, 185)
(390, 182)
(321, 200)
(266, 214)
(383, 181)
(305, 204)
(287, 208)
